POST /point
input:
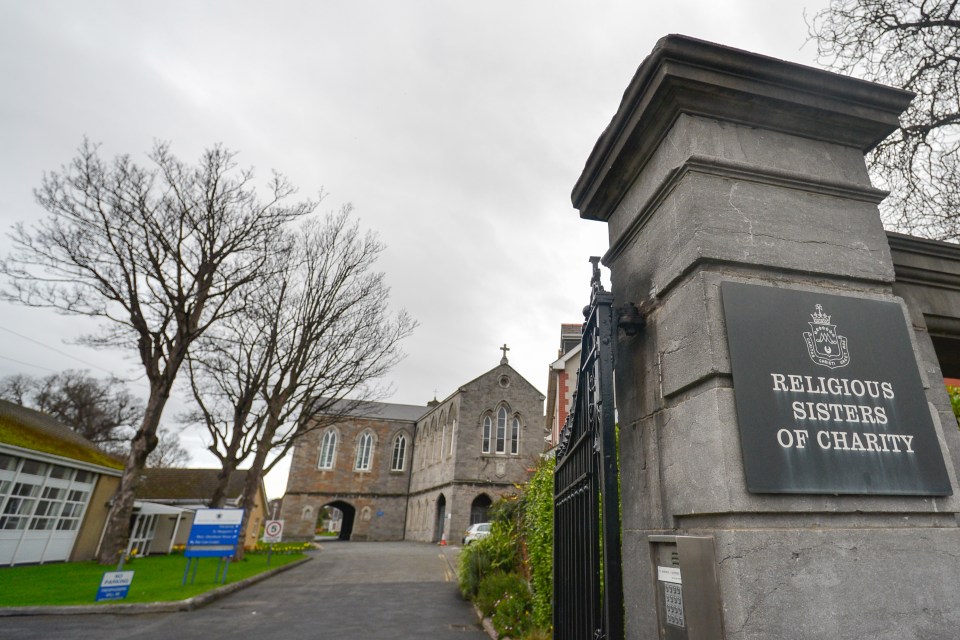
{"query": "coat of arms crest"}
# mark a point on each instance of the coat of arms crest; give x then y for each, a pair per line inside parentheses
(825, 347)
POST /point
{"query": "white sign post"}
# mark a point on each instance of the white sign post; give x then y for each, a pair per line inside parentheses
(272, 532)
(115, 585)
(214, 534)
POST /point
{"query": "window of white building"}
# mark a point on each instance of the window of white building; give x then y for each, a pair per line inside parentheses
(41, 507)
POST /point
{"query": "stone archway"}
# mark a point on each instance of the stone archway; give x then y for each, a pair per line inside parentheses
(479, 509)
(440, 519)
(348, 514)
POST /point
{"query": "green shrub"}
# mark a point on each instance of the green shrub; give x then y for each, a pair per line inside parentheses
(474, 563)
(509, 574)
(281, 547)
(511, 616)
(537, 530)
(955, 400)
(494, 586)
(496, 552)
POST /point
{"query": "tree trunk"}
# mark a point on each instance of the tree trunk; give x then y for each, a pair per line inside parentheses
(219, 496)
(252, 486)
(117, 529)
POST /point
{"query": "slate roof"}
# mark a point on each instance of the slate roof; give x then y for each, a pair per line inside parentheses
(382, 410)
(30, 429)
(193, 485)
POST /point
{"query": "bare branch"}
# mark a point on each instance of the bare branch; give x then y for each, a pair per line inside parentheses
(158, 252)
(915, 45)
(313, 334)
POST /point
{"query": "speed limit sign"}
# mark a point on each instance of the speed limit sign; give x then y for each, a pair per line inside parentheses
(273, 531)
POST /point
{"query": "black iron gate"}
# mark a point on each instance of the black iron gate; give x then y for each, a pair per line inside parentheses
(587, 583)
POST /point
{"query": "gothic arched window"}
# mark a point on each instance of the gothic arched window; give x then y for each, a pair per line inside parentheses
(515, 435)
(487, 426)
(399, 453)
(364, 452)
(502, 430)
(443, 435)
(453, 430)
(328, 450)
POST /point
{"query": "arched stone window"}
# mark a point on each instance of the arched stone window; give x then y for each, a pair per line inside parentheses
(453, 429)
(515, 435)
(502, 430)
(328, 449)
(487, 427)
(364, 458)
(443, 435)
(399, 458)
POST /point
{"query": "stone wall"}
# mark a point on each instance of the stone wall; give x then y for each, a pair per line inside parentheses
(470, 472)
(444, 457)
(724, 166)
(376, 495)
(485, 394)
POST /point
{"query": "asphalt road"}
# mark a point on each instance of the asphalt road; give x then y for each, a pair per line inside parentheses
(364, 590)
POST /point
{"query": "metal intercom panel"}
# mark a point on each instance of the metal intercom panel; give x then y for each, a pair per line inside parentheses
(688, 595)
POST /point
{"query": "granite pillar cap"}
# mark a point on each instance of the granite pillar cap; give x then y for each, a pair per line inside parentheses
(688, 76)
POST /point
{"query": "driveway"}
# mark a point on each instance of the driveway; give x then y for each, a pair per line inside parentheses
(364, 590)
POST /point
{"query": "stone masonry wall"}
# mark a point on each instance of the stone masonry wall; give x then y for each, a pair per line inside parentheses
(377, 495)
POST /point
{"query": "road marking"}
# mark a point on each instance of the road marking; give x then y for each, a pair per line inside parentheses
(447, 573)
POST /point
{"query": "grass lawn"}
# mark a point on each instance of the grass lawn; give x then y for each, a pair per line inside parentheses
(157, 579)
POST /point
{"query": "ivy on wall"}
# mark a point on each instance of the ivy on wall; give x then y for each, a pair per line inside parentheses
(536, 510)
(955, 401)
(509, 574)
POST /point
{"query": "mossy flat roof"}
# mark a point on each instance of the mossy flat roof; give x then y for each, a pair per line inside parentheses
(29, 429)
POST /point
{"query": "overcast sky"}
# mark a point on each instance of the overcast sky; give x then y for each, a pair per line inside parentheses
(456, 129)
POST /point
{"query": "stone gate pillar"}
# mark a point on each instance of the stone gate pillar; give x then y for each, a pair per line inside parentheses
(736, 195)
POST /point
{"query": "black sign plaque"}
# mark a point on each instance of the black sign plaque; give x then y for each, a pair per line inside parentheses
(829, 398)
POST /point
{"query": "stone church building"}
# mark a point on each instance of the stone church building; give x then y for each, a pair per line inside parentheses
(411, 472)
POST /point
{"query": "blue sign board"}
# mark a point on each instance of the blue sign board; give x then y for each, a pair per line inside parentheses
(115, 585)
(214, 533)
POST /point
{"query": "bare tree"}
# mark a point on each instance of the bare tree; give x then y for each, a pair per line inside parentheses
(227, 368)
(317, 336)
(911, 44)
(17, 388)
(101, 410)
(169, 452)
(157, 253)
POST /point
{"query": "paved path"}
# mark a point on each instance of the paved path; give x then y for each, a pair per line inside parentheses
(372, 590)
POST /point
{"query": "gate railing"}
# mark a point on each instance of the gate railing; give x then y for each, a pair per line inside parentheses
(588, 585)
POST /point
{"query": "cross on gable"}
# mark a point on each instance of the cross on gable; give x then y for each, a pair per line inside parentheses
(504, 348)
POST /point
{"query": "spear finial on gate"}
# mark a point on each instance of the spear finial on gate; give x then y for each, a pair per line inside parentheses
(595, 280)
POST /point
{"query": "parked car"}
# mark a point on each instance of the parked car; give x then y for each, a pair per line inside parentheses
(475, 532)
